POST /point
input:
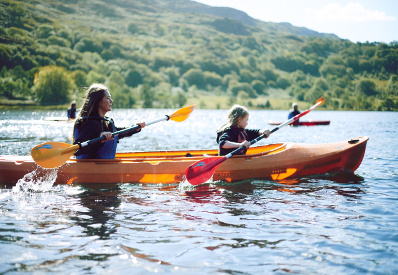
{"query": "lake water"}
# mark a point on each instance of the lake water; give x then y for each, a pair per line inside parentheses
(315, 225)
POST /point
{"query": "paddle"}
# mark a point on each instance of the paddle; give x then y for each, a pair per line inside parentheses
(201, 171)
(55, 154)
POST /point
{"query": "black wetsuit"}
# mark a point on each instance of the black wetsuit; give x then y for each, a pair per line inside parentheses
(234, 134)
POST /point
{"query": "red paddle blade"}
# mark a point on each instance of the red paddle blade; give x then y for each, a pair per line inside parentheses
(202, 170)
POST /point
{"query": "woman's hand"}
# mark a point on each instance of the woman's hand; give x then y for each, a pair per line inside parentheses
(141, 124)
(108, 136)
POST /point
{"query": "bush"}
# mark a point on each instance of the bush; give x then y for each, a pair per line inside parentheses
(53, 85)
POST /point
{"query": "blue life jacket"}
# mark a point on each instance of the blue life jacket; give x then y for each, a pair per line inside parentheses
(108, 150)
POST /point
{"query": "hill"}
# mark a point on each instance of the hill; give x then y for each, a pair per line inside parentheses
(167, 53)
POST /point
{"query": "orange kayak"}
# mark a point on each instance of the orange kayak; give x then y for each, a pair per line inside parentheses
(271, 162)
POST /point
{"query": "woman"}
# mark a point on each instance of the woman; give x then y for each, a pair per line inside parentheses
(234, 134)
(93, 123)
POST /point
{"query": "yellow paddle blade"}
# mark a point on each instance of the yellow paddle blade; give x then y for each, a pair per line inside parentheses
(182, 114)
(320, 101)
(52, 154)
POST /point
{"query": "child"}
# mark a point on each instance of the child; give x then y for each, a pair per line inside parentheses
(234, 134)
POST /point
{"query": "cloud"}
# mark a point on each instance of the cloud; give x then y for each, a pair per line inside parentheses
(351, 12)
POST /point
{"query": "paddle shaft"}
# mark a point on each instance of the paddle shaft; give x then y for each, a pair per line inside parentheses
(84, 144)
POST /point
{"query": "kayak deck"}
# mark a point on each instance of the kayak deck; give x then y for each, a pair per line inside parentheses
(273, 162)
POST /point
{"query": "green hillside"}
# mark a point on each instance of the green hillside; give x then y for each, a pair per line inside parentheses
(169, 53)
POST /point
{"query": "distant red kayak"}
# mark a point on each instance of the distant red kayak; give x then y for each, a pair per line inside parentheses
(304, 123)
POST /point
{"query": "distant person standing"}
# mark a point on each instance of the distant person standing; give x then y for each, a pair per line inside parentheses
(72, 110)
(294, 112)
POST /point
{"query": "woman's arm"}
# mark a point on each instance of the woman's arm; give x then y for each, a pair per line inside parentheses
(130, 133)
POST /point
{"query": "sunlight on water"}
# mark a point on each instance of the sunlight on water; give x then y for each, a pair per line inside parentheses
(39, 180)
(323, 224)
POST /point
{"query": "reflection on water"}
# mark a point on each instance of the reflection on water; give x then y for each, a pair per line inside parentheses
(98, 209)
(323, 224)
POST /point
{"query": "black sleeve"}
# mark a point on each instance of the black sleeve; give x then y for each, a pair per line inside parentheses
(91, 129)
(252, 134)
(129, 133)
(228, 135)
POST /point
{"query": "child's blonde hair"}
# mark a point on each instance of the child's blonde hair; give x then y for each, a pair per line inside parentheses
(236, 112)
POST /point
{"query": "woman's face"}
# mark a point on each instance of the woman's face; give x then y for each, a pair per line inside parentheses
(243, 121)
(106, 104)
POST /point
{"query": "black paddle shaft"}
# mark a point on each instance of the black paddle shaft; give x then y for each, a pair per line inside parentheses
(101, 138)
(257, 139)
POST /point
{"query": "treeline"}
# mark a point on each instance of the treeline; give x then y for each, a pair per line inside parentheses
(151, 58)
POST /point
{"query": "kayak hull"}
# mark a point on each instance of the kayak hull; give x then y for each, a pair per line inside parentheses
(304, 123)
(274, 162)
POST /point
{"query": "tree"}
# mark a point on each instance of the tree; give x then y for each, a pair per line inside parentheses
(52, 85)
(389, 105)
(367, 86)
(194, 77)
(147, 95)
(393, 85)
(133, 29)
(259, 87)
(44, 31)
(134, 78)
(180, 99)
(212, 79)
(237, 87)
(282, 83)
(80, 78)
(16, 13)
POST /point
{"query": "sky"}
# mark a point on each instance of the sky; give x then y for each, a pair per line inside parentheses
(355, 20)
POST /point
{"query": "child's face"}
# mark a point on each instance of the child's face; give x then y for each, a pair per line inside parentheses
(243, 121)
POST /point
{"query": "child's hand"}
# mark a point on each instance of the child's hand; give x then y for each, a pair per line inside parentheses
(266, 133)
(246, 144)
